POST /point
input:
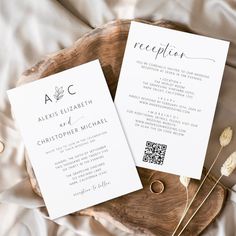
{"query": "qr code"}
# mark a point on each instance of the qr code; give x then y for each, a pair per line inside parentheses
(154, 153)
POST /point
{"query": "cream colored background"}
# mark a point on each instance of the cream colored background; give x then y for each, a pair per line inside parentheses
(30, 29)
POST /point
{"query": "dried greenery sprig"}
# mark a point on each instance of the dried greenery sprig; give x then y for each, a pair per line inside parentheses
(224, 140)
(226, 170)
(185, 182)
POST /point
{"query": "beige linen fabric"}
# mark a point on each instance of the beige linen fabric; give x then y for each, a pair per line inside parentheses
(30, 29)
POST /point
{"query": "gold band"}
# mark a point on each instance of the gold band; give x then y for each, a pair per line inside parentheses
(157, 187)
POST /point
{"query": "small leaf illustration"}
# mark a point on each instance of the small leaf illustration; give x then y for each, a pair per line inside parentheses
(59, 93)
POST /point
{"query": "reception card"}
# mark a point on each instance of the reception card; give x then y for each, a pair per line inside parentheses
(166, 96)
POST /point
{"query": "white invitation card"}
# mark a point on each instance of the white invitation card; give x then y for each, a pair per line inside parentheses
(166, 96)
(74, 139)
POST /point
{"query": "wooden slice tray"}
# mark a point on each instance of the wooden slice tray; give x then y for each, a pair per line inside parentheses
(141, 212)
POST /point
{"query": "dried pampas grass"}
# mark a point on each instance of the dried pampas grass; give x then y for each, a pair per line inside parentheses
(226, 170)
(229, 165)
(184, 181)
(224, 140)
(226, 136)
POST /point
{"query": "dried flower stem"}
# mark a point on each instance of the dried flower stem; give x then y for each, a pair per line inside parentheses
(227, 168)
(184, 212)
(199, 188)
(195, 212)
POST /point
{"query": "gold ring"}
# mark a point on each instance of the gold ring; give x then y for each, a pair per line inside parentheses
(157, 187)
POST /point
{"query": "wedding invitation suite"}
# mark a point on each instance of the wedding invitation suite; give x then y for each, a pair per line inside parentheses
(74, 139)
(166, 96)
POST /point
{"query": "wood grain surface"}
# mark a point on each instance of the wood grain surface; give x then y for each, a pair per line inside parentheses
(141, 212)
